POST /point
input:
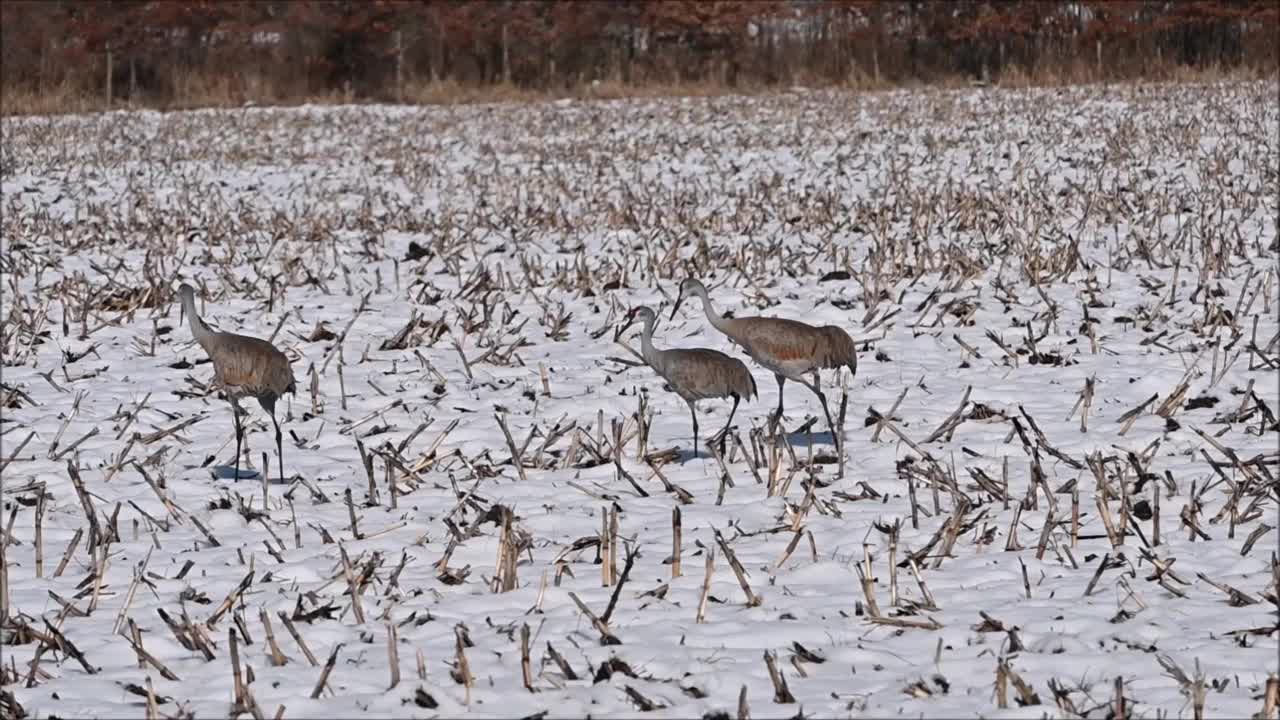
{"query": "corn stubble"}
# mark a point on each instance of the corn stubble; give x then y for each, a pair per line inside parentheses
(449, 283)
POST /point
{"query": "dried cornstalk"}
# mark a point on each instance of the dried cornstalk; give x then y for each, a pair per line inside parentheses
(781, 694)
(323, 680)
(906, 622)
(276, 657)
(929, 603)
(675, 541)
(526, 671)
(517, 457)
(868, 590)
(297, 638)
(706, 587)
(1271, 698)
(39, 539)
(237, 678)
(606, 556)
(953, 420)
(393, 655)
(462, 668)
(1085, 398)
(606, 637)
(752, 599)
(1129, 418)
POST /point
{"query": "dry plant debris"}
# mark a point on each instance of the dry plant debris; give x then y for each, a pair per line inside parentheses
(1064, 491)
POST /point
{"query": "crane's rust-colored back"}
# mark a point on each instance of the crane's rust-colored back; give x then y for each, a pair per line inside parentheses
(779, 340)
(782, 345)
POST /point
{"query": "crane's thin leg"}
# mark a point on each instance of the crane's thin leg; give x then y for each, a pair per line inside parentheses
(693, 413)
(817, 390)
(724, 434)
(235, 413)
(777, 417)
(279, 446)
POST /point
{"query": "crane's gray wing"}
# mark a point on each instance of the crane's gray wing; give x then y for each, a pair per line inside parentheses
(251, 364)
(704, 373)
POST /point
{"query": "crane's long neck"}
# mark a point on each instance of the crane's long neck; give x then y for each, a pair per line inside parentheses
(647, 351)
(717, 321)
(199, 330)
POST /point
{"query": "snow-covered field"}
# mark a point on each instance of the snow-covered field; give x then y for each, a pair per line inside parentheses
(1065, 304)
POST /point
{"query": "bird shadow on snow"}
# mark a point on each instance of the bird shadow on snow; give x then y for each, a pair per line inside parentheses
(805, 439)
(228, 472)
(802, 438)
(797, 440)
(684, 455)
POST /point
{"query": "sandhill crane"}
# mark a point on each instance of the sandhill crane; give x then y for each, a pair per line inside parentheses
(695, 373)
(787, 348)
(243, 366)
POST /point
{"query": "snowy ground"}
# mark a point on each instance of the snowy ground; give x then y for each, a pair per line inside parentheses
(433, 272)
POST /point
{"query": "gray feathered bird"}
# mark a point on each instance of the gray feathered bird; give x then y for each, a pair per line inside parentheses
(243, 366)
(695, 373)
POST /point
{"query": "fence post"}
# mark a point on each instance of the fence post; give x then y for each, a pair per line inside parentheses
(437, 55)
(109, 76)
(44, 65)
(399, 67)
(1098, 51)
(506, 57)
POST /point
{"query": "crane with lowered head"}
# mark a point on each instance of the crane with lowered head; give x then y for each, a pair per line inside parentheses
(243, 366)
(694, 373)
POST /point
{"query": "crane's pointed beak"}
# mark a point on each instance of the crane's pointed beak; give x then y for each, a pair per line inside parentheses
(629, 320)
(676, 308)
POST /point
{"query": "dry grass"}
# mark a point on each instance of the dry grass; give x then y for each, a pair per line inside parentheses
(194, 89)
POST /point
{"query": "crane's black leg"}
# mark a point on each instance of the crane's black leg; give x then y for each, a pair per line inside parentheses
(817, 390)
(693, 413)
(279, 446)
(822, 399)
(777, 417)
(724, 434)
(235, 413)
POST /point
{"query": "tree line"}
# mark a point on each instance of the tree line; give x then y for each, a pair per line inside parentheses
(167, 51)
